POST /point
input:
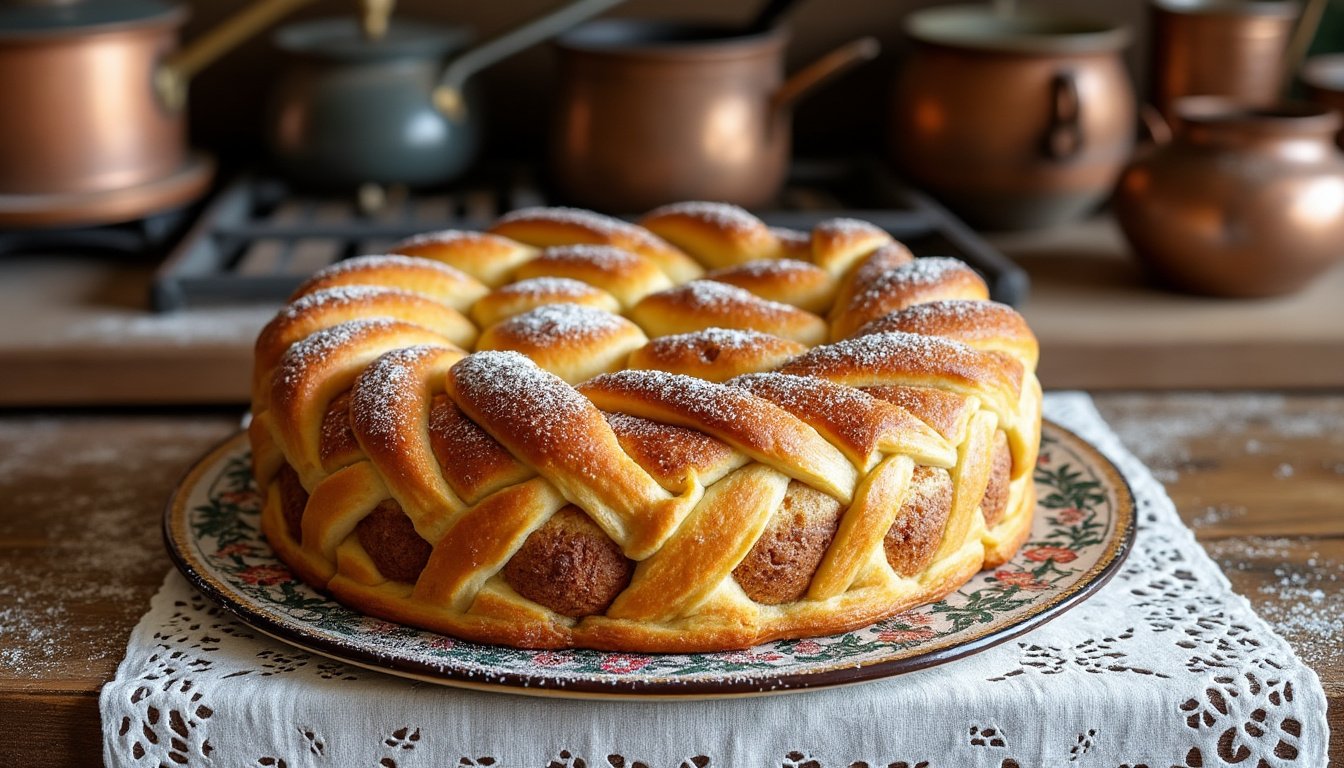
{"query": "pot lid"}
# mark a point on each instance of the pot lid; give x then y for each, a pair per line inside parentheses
(1029, 31)
(342, 38)
(42, 19)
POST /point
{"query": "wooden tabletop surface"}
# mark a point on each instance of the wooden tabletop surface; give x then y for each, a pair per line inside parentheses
(1259, 477)
(1101, 326)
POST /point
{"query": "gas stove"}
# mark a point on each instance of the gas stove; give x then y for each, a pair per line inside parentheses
(258, 240)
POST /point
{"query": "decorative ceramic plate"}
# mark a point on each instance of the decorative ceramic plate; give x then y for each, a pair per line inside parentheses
(1083, 528)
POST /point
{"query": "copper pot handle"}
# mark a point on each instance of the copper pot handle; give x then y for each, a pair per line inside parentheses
(448, 93)
(823, 69)
(172, 74)
(1064, 137)
(1154, 124)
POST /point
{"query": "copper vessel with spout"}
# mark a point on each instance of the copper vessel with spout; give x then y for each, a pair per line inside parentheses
(1242, 201)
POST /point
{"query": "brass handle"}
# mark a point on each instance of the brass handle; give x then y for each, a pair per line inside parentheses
(1154, 124)
(1064, 137)
(172, 74)
(823, 69)
(447, 94)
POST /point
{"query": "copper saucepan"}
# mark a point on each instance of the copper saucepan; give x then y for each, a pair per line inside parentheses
(652, 112)
(93, 96)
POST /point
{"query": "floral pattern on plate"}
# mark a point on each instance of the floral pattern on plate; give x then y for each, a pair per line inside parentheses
(1083, 528)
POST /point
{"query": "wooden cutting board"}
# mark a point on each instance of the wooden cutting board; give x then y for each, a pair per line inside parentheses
(75, 330)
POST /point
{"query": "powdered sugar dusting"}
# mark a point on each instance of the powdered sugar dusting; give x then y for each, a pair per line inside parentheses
(318, 346)
(966, 315)
(799, 394)
(792, 237)
(718, 338)
(725, 216)
(531, 410)
(578, 217)
(381, 391)
(714, 404)
(84, 494)
(386, 260)
(553, 323)
(545, 287)
(445, 237)
(342, 295)
(605, 257)
(712, 296)
(786, 270)
(929, 270)
(845, 227)
(883, 351)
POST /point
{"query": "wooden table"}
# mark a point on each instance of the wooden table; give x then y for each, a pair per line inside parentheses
(1259, 477)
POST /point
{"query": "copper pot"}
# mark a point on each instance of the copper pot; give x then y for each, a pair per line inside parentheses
(93, 94)
(1242, 201)
(1219, 48)
(651, 112)
(1014, 121)
(1324, 78)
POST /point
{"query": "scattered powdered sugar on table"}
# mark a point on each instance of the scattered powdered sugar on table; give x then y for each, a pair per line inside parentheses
(187, 328)
(1163, 443)
(117, 462)
(1299, 599)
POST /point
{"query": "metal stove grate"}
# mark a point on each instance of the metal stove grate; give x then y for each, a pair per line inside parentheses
(257, 241)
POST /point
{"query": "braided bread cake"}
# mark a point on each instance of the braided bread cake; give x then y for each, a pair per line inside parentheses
(566, 432)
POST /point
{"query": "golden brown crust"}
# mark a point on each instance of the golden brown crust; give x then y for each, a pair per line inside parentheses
(337, 446)
(868, 270)
(472, 462)
(570, 566)
(787, 281)
(862, 426)
(985, 325)
(482, 496)
(572, 341)
(839, 244)
(922, 280)
(438, 281)
(625, 275)
(516, 298)
(715, 354)
(909, 359)
(753, 425)
(719, 234)
(486, 257)
(332, 306)
(671, 454)
(702, 304)
(544, 227)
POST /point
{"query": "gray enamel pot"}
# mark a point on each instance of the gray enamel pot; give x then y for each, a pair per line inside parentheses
(398, 108)
(349, 111)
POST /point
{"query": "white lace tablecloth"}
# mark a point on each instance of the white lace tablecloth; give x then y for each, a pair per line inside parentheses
(1165, 666)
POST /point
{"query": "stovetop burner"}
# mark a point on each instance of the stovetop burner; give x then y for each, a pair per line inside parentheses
(151, 235)
(257, 241)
